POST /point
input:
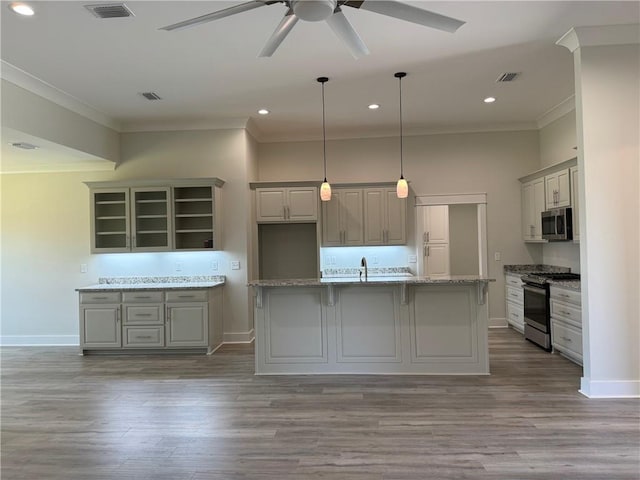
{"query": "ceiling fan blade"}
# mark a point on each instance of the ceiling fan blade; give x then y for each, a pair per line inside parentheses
(243, 7)
(408, 13)
(345, 32)
(281, 31)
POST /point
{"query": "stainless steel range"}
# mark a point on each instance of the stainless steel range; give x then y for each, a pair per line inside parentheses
(537, 315)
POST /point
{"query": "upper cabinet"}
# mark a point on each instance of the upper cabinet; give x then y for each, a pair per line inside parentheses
(552, 187)
(533, 204)
(385, 217)
(155, 216)
(287, 204)
(342, 218)
(557, 189)
(575, 203)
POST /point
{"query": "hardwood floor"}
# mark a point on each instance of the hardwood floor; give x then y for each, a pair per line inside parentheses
(209, 418)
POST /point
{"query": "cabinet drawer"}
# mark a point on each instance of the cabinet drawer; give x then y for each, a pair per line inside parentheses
(513, 281)
(187, 296)
(515, 316)
(566, 338)
(142, 314)
(142, 297)
(100, 297)
(515, 295)
(141, 337)
(563, 295)
(564, 310)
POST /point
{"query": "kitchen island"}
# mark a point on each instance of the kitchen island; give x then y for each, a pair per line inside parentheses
(379, 325)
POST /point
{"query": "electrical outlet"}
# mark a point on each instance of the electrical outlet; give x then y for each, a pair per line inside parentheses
(83, 268)
(333, 260)
(178, 266)
(235, 265)
(497, 256)
(374, 260)
(413, 259)
(214, 265)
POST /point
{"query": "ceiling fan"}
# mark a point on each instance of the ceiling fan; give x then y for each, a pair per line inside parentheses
(331, 12)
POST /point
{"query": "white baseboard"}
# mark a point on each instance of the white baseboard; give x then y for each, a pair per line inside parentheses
(610, 389)
(239, 337)
(39, 340)
(498, 323)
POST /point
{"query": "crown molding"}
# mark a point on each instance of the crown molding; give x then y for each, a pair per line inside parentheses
(183, 125)
(566, 106)
(33, 84)
(597, 36)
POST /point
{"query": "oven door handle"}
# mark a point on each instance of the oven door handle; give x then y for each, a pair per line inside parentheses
(533, 289)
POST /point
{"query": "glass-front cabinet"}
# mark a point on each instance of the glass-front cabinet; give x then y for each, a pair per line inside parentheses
(182, 215)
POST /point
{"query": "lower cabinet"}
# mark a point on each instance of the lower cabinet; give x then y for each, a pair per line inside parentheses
(514, 297)
(566, 323)
(151, 320)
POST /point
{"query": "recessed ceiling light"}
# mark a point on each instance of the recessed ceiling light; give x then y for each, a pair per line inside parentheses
(489, 100)
(263, 111)
(374, 106)
(21, 8)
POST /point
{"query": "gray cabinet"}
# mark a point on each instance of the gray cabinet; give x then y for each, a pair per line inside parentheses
(152, 216)
(514, 297)
(533, 204)
(286, 204)
(566, 323)
(385, 217)
(342, 218)
(151, 320)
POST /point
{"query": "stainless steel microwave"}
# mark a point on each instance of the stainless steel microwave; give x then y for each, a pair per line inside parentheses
(557, 224)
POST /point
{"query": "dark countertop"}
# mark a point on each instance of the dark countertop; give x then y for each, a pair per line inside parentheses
(523, 269)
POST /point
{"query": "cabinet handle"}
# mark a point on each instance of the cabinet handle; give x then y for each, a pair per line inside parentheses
(118, 315)
(566, 339)
(143, 314)
(424, 237)
(168, 314)
(141, 296)
(142, 337)
(428, 236)
(568, 314)
(99, 298)
(343, 237)
(563, 295)
(127, 241)
(428, 252)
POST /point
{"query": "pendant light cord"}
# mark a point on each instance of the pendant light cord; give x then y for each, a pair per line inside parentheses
(324, 137)
(399, 76)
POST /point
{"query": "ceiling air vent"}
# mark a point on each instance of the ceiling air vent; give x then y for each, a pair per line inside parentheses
(151, 96)
(508, 77)
(110, 10)
(24, 145)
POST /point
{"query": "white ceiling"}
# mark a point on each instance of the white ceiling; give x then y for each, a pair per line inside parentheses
(210, 75)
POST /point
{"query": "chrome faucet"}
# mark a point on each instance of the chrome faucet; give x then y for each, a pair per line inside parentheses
(363, 263)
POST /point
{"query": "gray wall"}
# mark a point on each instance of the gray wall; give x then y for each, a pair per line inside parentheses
(463, 239)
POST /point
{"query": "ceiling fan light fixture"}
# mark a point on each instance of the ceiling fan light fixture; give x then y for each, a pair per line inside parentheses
(313, 10)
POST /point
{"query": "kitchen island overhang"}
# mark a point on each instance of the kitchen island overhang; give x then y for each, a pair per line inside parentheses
(381, 325)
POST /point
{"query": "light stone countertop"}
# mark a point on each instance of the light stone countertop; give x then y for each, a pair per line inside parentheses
(119, 284)
(375, 280)
(538, 268)
(573, 285)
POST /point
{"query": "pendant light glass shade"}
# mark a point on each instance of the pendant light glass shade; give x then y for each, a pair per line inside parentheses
(402, 188)
(325, 188)
(325, 191)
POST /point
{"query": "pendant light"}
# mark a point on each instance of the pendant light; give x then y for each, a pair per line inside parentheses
(325, 188)
(402, 188)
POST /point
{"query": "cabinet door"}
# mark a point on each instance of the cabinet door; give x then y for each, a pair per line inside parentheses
(110, 231)
(187, 325)
(436, 259)
(196, 222)
(100, 326)
(564, 191)
(270, 204)
(395, 218)
(575, 203)
(557, 189)
(437, 224)
(151, 219)
(352, 217)
(302, 204)
(527, 212)
(537, 208)
(331, 224)
(374, 210)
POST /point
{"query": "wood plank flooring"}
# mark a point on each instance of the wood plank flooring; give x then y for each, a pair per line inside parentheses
(209, 418)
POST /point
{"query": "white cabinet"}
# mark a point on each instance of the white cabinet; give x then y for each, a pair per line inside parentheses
(100, 320)
(287, 204)
(575, 203)
(514, 297)
(435, 240)
(342, 218)
(155, 215)
(151, 319)
(533, 204)
(385, 217)
(566, 323)
(557, 188)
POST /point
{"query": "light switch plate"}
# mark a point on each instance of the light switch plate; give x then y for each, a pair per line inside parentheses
(178, 266)
(497, 256)
(214, 265)
(235, 265)
(83, 268)
(413, 259)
